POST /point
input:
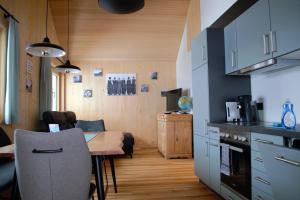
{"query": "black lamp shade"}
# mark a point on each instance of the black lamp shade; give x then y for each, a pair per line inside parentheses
(122, 6)
(45, 49)
(67, 68)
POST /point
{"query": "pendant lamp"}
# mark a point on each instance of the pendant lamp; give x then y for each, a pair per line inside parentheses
(121, 6)
(45, 48)
(67, 67)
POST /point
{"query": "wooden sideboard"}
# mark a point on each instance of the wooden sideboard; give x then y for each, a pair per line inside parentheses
(174, 135)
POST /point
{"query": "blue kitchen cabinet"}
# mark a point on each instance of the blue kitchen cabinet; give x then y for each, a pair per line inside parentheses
(261, 183)
(204, 159)
(231, 60)
(210, 88)
(253, 28)
(285, 26)
(197, 154)
(283, 168)
(214, 165)
(199, 52)
(200, 98)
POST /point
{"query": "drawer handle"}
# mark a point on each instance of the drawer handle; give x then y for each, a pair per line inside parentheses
(214, 145)
(264, 141)
(281, 158)
(259, 159)
(262, 180)
(258, 197)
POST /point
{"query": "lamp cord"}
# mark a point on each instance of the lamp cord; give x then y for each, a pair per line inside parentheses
(47, 19)
(68, 30)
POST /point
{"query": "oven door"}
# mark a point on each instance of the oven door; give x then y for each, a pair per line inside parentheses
(239, 178)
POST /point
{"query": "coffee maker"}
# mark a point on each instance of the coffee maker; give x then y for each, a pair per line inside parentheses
(248, 108)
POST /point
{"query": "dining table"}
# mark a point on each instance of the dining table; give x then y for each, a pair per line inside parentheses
(101, 145)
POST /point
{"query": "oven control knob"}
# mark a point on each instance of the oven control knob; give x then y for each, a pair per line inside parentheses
(235, 137)
(227, 135)
(222, 134)
(243, 139)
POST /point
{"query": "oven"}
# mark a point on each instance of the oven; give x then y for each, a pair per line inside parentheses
(235, 153)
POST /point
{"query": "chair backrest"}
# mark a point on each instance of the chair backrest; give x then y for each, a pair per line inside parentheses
(91, 126)
(52, 166)
(4, 139)
(66, 120)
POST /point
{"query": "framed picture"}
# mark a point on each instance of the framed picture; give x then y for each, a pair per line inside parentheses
(77, 78)
(121, 84)
(144, 88)
(88, 93)
(98, 72)
(153, 75)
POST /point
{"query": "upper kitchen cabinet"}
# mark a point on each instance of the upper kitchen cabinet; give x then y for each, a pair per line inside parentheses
(199, 50)
(253, 28)
(230, 48)
(285, 26)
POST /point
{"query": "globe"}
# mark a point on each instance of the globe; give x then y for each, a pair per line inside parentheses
(185, 103)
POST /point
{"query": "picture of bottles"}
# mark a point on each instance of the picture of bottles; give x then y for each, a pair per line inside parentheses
(121, 84)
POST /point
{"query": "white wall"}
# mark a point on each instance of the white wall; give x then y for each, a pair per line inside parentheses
(184, 66)
(274, 89)
(211, 10)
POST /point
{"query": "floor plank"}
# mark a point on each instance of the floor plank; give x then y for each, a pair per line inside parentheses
(149, 176)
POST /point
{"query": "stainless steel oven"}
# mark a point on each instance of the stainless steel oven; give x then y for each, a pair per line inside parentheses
(236, 162)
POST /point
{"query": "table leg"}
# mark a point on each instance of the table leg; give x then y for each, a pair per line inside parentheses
(99, 177)
(112, 166)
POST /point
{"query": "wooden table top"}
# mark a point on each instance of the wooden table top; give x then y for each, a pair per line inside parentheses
(105, 143)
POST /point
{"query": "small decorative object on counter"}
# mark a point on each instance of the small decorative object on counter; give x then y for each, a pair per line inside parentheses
(288, 118)
(185, 103)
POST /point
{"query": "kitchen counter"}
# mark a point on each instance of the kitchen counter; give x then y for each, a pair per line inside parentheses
(258, 127)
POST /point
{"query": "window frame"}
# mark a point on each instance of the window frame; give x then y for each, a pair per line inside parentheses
(3, 51)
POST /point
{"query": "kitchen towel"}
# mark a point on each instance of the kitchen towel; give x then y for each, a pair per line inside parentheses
(225, 168)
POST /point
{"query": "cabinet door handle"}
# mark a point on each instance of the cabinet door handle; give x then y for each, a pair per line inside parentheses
(206, 149)
(281, 158)
(262, 180)
(266, 44)
(273, 41)
(259, 159)
(203, 54)
(263, 141)
(205, 127)
(232, 59)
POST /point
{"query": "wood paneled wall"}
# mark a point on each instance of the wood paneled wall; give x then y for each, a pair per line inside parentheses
(31, 14)
(135, 114)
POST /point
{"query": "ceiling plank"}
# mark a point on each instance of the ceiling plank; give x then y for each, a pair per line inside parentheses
(153, 33)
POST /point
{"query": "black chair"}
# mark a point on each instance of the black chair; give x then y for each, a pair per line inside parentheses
(7, 165)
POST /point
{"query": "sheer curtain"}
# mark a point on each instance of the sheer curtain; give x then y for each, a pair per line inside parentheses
(45, 86)
(11, 104)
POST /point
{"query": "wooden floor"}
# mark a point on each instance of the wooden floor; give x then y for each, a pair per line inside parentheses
(149, 176)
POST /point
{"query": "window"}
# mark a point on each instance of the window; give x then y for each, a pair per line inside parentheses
(55, 92)
(3, 43)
